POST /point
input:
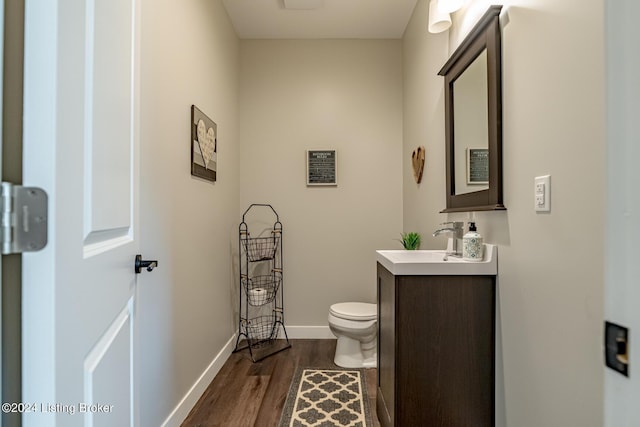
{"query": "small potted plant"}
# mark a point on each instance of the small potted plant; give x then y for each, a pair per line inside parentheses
(410, 241)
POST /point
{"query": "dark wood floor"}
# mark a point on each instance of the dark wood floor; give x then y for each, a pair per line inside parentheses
(253, 394)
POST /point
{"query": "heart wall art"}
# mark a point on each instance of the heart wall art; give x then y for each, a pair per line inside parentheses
(204, 145)
(417, 161)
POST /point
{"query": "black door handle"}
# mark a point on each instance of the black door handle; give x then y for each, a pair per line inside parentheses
(148, 264)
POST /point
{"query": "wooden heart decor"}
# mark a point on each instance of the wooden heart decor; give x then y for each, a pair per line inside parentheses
(417, 160)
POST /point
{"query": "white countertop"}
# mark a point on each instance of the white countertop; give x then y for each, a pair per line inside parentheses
(432, 262)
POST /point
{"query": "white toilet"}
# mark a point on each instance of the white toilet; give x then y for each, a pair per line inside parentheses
(355, 324)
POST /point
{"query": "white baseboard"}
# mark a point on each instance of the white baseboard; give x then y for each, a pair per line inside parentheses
(190, 399)
(309, 332)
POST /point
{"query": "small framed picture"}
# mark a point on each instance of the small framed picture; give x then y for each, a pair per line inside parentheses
(204, 145)
(322, 167)
(477, 166)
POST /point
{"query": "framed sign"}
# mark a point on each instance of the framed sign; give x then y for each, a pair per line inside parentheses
(321, 167)
(204, 145)
(477, 166)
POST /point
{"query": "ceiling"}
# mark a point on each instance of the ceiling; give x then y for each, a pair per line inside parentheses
(353, 19)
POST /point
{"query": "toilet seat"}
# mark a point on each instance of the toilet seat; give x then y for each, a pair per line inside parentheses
(358, 311)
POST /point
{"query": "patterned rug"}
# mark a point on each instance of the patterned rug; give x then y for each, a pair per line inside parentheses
(327, 398)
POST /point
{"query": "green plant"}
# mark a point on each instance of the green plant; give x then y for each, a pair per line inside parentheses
(410, 241)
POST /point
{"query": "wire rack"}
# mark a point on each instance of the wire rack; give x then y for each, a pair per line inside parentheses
(263, 289)
(261, 248)
(262, 328)
(261, 305)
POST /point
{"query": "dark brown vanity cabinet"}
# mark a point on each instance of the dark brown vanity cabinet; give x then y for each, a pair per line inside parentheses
(436, 345)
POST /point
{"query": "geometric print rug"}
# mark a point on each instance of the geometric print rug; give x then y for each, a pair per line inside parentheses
(327, 398)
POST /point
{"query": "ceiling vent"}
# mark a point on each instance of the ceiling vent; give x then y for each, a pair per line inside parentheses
(303, 4)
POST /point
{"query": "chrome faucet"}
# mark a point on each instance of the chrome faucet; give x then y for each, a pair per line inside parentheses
(456, 229)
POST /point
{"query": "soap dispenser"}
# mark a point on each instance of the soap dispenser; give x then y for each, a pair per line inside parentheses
(472, 247)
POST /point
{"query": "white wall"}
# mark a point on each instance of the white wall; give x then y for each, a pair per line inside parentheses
(622, 294)
(550, 364)
(313, 94)
(189, 56)
(423, 113)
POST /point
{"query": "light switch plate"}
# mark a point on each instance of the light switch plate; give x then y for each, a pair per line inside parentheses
(542, 193)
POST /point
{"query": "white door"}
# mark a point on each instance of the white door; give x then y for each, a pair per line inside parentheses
(81, 145)
(622, 283)
(1, 82)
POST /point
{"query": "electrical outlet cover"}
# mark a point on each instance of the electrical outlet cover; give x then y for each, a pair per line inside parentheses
(616, 347)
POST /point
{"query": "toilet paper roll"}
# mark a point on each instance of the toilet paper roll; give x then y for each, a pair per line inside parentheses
(257, 294)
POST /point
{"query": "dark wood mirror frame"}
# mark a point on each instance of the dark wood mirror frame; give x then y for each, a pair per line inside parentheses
(485, 35)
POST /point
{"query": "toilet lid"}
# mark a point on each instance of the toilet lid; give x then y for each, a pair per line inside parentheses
(354, 310)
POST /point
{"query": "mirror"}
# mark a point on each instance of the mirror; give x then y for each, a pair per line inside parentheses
(473, 119)
(471, 128)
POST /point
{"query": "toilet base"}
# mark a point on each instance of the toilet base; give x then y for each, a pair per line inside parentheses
(350, 353)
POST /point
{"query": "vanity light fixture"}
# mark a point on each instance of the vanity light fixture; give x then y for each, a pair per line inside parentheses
(439, 21)
(450, 6)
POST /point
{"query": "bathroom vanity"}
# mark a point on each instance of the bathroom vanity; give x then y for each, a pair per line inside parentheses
(436, 339)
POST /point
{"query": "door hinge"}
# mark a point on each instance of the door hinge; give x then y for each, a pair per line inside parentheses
(24, 219)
